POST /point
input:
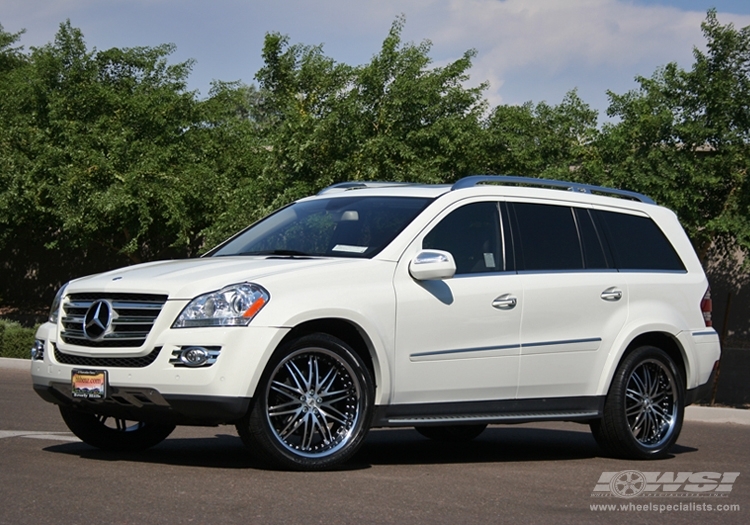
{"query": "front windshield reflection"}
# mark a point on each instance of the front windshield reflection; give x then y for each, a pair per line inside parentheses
(333, 227)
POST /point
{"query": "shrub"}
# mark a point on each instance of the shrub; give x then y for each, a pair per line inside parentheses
(15, 340)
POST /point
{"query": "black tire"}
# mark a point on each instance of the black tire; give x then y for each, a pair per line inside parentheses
(312, 406)
(109, 433)
(452, 433)
(645, 406)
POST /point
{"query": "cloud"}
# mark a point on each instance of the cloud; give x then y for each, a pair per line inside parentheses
(551, 38)
(553, 34)
(527, 49)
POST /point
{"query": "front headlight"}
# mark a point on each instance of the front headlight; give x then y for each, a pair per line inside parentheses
(54, 311)
(234, 305)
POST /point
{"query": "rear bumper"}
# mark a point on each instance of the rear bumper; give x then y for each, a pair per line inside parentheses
(702, 391)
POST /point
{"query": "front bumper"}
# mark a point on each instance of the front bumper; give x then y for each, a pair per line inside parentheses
(147, 384)
(146, 404)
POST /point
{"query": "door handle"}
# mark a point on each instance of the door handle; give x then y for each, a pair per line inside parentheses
(505, 302)
(612, 294)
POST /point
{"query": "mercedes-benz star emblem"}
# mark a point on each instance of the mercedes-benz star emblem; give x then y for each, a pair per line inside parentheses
(97, 320)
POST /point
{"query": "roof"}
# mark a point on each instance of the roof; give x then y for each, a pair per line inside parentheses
(406, 189)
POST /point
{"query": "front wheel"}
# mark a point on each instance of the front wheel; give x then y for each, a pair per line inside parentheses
(645, 406)
(110, 433)
(312, 406)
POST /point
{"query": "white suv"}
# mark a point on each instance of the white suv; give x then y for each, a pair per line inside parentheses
(445, 308)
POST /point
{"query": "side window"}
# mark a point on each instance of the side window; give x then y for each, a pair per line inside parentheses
(637, 243)
(472, 235)
(547, 238)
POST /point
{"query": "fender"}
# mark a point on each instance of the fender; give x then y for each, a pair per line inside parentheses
(627, 335)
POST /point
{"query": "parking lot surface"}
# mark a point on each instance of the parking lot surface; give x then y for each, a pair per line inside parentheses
(551, 473)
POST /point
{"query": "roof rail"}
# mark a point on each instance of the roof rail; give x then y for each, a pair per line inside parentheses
(474, 180)
(359, 185)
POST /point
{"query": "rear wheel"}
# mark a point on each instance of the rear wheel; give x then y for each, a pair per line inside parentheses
(644, 409)
(312, 406)
(452, 433)
(110, 433)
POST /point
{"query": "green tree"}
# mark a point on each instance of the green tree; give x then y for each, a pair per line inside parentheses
(682, 138)
(413, 122)
(302, 92)
(107, 158)
(395, 118)
(539, 140)
(102, 160)
(117, 160)
(236, 151)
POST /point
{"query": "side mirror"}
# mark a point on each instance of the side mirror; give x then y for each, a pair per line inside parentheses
(430, 265)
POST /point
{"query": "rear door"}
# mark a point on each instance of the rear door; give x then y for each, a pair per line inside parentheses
(575, 302)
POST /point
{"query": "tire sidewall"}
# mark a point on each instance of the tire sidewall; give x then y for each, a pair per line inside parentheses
(260, 430)
(91, 431)
(616, 402)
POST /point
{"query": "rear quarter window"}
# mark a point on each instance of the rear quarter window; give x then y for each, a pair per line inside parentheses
(637, 243)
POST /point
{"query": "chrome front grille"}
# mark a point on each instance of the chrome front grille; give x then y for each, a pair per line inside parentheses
(132, 317)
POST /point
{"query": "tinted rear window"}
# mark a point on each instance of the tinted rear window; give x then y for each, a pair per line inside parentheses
(637, 243)
(548, 238)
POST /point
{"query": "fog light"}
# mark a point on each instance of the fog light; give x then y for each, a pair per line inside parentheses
(37, 350)
(195, 356)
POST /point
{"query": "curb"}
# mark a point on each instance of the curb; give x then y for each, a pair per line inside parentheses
(703, 414)
(696, 413)
(15, 364)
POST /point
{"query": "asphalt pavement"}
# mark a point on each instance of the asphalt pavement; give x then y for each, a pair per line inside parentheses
(531, 473)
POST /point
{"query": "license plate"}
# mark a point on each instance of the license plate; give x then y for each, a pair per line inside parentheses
(89, 384)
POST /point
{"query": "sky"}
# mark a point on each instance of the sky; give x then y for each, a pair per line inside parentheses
(528, 50)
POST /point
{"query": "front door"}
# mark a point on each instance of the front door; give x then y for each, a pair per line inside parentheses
(458, 339)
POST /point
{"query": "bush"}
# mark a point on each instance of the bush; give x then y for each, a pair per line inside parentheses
(15, 340)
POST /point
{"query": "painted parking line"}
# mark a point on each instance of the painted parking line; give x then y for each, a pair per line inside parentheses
(51, 436)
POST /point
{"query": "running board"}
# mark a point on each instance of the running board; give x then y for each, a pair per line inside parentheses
(494, 418)
(507, 411)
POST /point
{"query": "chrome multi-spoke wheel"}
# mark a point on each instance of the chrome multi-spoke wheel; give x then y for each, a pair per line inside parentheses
(644, 409)
(313, 402)
(312, 407)
(651, 403)
(111, 433)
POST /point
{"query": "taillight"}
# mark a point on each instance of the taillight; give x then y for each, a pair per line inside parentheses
(706, 307)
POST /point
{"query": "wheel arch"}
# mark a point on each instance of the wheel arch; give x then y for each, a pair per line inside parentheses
(664, 340)
(353, 335)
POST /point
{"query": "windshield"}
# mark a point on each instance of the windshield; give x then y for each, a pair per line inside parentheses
(334, 227)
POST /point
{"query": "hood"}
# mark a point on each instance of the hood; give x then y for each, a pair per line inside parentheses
(185, 279)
